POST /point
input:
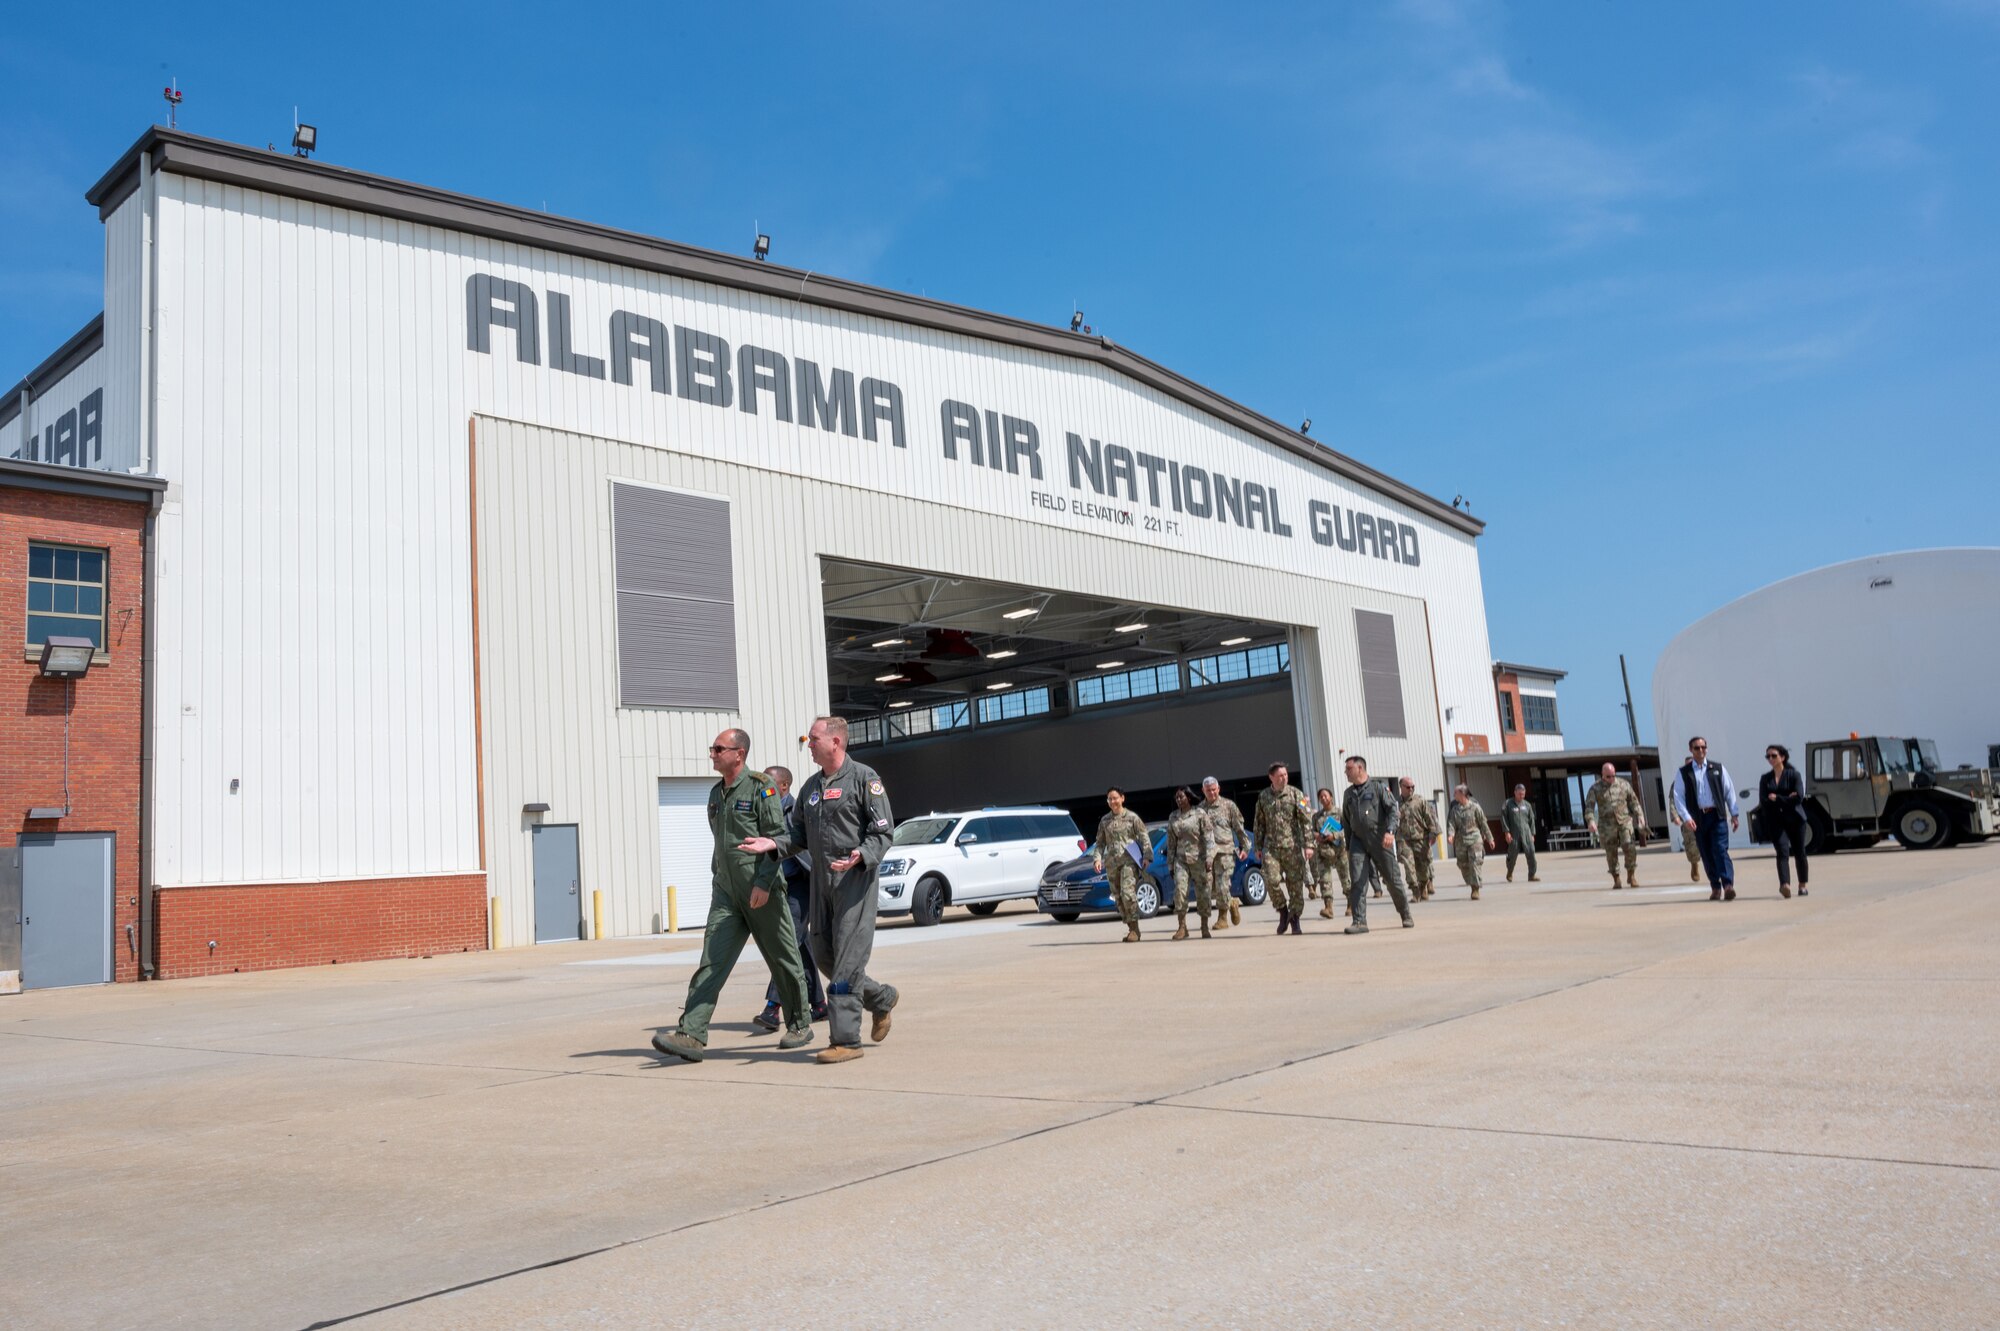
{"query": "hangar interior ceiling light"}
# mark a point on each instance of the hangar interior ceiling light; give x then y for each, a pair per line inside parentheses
(1003, 684)
(1234, 642)
(976, 633)
(901, 702)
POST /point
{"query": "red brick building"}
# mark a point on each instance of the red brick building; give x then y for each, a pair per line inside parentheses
(72, 562)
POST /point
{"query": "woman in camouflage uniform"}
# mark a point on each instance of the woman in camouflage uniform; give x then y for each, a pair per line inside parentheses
(1116, 830)
(1187, 857)
(1330, 845)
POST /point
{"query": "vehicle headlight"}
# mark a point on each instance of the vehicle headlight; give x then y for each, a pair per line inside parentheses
(890, 868)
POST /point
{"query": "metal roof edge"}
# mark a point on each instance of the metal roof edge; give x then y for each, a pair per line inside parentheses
(57, 478)
(1519, 669)
(253, 168)
(82, 344)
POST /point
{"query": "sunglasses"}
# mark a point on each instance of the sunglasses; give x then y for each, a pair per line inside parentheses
(724, 748)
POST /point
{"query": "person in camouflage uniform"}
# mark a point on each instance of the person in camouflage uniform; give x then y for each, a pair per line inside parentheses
(1116, 831)
(1187, 857)
(1517, 818)
(1284, 840)
(1471, 838)
(1613, 811)
(1416, 833)
(1329, 853)
(1693, 849)
(1228, 842)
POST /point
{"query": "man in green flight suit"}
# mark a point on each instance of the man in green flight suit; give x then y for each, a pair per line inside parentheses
(747, 904)
(1517, 820)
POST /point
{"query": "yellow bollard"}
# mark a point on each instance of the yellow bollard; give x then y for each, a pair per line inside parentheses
(596, 914)
(493, 923)
(673, 909)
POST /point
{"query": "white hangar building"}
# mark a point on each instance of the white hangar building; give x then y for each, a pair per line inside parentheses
(480, 523)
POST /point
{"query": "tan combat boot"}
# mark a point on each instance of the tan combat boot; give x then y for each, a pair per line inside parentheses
(1634, 881)
(1235, 912)
(1326, 908)
(1221, 918)
(1615, 884)
(1131, 933)
(839, 1053)
(1181, 932)
(1475, 894)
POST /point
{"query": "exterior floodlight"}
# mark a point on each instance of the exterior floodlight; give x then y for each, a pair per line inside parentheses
(305, 139)
(763, 248)
(537, 807)
(1002, 655)
(1076, 321)
(66, 658)
(1022, 614)
(1307, 427)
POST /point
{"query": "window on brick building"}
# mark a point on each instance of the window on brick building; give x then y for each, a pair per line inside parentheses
(66, 586)
(1539, 712)
(1507, 711)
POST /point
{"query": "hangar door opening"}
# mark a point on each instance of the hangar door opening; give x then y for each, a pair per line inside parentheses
(970, 695)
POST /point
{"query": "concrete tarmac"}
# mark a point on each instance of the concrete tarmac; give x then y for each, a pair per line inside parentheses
(1557, 1106)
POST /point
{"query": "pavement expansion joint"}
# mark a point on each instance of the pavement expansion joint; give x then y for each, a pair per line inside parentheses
(1578, 1137)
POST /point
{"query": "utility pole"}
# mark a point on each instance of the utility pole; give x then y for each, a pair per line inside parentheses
(1631, 717)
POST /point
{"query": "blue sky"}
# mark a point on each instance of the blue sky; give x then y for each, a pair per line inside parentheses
(1684, 298)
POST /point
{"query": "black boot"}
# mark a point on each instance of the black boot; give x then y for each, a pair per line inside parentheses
(1295, 925)
(1284, 920)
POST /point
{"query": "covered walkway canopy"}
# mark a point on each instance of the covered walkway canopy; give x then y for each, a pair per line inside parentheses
(1556, 780)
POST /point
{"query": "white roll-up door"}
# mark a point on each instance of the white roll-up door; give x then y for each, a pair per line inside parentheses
(686, 847)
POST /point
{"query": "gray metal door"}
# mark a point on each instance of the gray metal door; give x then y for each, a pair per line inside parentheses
(558, 884)
(65, 909)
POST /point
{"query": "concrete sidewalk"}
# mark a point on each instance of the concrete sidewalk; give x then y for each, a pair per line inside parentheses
(1555, 1106)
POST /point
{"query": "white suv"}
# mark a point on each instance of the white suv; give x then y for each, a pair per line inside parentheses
(976, 860)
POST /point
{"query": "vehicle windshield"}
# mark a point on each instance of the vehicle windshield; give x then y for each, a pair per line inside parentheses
(1925, 751)
(1895, 755)
(924, 831)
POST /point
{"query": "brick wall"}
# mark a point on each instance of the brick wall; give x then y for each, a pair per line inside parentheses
(104, 718)
(268, 926)
(1515, 740)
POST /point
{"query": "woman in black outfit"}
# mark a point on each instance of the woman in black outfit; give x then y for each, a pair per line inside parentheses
(1781, 794)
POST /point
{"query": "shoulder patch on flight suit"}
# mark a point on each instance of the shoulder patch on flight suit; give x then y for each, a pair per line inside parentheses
(874, 787)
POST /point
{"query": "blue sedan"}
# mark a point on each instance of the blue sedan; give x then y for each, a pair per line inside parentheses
(1075, 889)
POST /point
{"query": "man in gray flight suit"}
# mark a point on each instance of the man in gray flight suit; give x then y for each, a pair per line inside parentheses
(1368, 813)
(841, 819)
(747, 904)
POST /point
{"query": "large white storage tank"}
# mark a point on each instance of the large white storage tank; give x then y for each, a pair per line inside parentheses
(1900, 644)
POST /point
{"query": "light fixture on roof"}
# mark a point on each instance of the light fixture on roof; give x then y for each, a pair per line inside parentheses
(1109, 665)
(1001, 655)
(1130, 628)
(1075, 320)
(305, 139)
(1022, 613)
(1307, 426)
(1003, 684)
(903, 703)
(1234, 642)
(762, 249)
(890, 678)
(889, 642)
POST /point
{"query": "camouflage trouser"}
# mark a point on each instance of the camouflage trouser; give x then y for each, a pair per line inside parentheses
(1612, 837)
(1471, 855)
(1417, 868)
(1221, 870)
(1123, 875)
(1329, 861)
(1285, 878)
(1693, 849)
(1183, 871)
